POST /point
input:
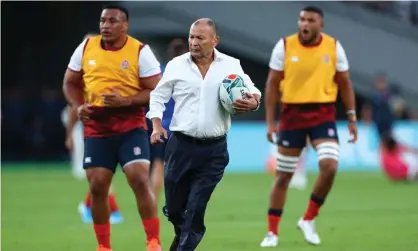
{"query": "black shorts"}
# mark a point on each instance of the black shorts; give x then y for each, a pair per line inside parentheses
(123, 148)
(297, 138)
(157, 150)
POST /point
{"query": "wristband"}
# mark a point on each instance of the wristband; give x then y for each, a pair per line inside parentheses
(351, 112)
(258, 105)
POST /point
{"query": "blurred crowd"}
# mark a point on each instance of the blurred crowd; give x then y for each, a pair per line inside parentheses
(405, 10)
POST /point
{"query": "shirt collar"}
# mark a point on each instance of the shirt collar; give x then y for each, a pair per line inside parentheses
(217, 56)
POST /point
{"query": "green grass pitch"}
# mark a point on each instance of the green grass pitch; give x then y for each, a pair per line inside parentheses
(364, 212)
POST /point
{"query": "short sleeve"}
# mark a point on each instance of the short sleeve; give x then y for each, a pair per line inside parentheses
(148, 64)
(277, 56)
(342, 61)
(77, 57)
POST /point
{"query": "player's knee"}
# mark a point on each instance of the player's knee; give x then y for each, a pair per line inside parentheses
(99, 187)
(282, 180)
(328, 167)
(138, 179)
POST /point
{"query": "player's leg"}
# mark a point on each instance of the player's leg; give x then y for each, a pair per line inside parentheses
(115, 215)
(291, 143)
(78, 153)
(157, 164)
(157, 169)
(134, 154)
(300, 179)
(324, 139)
(100, 162)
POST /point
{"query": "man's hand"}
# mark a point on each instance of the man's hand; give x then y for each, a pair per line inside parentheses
(245, 105)
(69, 142)
(114, 99)
(84, 111)
(272, 130)
(352, 129)
(156, 135)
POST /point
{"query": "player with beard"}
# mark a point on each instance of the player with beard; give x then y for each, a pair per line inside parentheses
(308, 69)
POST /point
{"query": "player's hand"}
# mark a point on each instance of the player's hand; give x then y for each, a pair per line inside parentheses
(84, 111)
(352, 129)
(114, 99)
(245, 105)
(69, 143)
(156, 135)
(272, 132)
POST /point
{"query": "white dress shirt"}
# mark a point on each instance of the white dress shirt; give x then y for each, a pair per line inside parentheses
(197, 111)
(148, 63)
(278, 56)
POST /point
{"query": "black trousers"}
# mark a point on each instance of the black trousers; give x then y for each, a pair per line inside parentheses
(193, 169)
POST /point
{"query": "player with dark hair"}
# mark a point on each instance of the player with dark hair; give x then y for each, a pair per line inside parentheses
(75, 144)
(308, 68)
(119, 73)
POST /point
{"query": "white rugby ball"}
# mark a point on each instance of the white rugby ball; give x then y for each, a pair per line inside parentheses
(232, 88)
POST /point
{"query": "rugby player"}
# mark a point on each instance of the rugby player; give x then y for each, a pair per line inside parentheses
(75, 144)
(308, 68)
(119, 73)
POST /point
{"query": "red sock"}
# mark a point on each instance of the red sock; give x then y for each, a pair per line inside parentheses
(274, 223)
(112, 203)
(87, 201)
(312, 211)
(152, 228)
(103, 234)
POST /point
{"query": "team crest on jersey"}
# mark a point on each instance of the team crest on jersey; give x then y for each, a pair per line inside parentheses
(325, 58)
(124, 64)
(137, 150)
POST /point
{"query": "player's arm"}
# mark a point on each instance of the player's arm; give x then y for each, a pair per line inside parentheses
(342, 78)
(276, 74)
(72, 86)
(161, 95)
(149, 74)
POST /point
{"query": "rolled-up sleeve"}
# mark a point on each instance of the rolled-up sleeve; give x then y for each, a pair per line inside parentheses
(161, 94)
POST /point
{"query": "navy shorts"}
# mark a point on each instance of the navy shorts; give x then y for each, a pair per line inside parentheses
(157, 150)
(109, 151)
(297, 138)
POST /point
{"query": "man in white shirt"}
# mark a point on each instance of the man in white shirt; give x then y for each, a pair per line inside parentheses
(196, 153)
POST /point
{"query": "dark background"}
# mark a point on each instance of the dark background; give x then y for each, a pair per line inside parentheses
(38, 41)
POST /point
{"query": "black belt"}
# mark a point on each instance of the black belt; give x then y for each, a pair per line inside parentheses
(199, 141)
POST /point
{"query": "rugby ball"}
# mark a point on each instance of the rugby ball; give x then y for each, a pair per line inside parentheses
(232, 88)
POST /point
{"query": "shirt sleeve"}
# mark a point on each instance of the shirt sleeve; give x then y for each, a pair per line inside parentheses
(77, 57)
(277, 56)
(162, 93)
(148, 64)
(342, 61)
(248, 81)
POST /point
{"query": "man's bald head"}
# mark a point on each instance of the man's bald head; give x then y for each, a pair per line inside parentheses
(206, 21)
